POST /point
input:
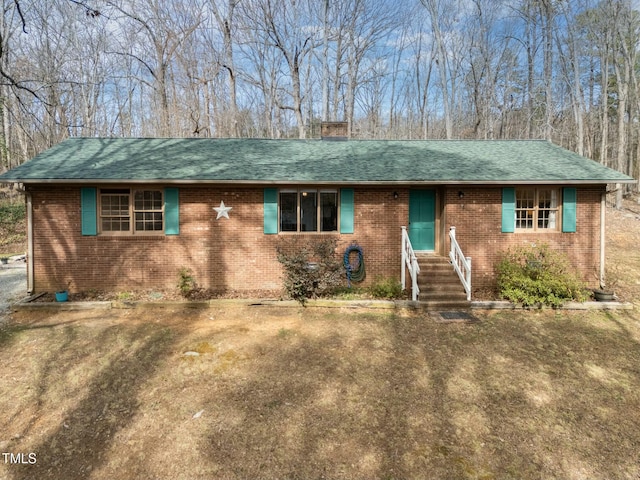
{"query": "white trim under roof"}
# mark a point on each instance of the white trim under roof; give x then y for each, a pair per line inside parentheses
(95, 181)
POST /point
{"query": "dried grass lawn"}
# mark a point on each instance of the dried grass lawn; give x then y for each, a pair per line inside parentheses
(336, 393)
(294, 393)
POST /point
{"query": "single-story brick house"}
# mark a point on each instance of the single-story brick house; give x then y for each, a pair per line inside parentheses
(128, 213)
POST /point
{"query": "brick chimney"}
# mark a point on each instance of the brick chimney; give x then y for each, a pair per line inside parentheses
(334, 131)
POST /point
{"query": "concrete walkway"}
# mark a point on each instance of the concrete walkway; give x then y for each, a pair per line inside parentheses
(13, 285)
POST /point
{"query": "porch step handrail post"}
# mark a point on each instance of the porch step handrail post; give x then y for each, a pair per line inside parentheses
(404, 258)
(410, 261)
(461, 264)
(414, 279)
(468, 272)
(452, 235)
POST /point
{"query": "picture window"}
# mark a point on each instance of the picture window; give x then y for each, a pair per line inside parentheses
(308, 210)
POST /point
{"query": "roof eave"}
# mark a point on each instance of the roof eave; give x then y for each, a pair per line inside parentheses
(60, 181)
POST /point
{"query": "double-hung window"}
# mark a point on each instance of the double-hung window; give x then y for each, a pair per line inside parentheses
(123, 211)
(537, 209)
(308, 210)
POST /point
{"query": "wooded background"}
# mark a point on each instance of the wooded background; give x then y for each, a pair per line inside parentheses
(566, 71)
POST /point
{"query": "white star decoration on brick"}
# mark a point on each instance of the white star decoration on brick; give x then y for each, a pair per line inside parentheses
(222, 211)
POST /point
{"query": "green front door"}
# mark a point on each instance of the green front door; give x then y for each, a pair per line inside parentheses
(422, 219)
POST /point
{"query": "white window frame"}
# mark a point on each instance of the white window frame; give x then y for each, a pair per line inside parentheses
(131, 193)
(555, 213)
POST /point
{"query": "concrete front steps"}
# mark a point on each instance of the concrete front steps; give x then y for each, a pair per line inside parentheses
(440, 287)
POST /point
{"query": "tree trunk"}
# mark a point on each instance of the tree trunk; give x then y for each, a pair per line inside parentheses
(225, 24)
(442, 65)
(325, 63)
(548, 65)
(621, 150)
(530, 35)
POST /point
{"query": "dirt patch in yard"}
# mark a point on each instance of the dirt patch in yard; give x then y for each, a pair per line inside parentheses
(263, 392)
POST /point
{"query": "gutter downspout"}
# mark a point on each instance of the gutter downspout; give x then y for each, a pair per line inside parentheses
(603, 209)
(29, 244)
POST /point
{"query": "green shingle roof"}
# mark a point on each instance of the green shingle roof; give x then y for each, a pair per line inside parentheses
(82, 160)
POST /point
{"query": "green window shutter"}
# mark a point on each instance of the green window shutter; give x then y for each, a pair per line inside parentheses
(270, 211)
(569, 201)
(346, 210)
(508, 210)
(171, 212)
(89, 210)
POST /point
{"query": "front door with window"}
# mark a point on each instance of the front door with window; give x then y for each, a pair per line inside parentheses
(422, 219)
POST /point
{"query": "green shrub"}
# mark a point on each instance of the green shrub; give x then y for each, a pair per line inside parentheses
(11, 213)
(124, 296)
(387, 288)
(311, 268)
(538, 275)
(12, 223)
(186, 282)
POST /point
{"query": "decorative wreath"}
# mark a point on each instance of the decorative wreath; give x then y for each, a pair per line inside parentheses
(355, 273)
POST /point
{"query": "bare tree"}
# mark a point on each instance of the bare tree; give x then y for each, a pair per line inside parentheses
(225, 19)
(434, 7)
(7, 29)
(325, 61)
(164, 29)
(548, 15)
(487, 49)
(366, 23)
(569, 52)
(284, 26)
(627, 38)
(415, 69)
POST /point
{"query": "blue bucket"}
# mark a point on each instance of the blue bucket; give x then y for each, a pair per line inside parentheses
(62, 296)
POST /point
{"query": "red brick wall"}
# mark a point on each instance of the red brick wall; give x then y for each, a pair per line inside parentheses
(235, 254)
(478, 221)
(223, 254)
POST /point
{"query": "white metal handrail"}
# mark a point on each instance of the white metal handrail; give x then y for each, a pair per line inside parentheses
(409, 261)
(461, 264)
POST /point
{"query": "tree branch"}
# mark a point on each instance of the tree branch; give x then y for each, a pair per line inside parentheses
(24, 23)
